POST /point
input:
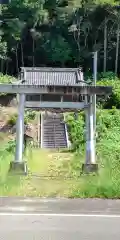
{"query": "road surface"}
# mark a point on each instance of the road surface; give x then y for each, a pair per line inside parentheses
(59, 219)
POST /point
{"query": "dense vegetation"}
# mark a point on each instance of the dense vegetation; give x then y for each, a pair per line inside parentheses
(108, 115)
(28, 116)
(66, 167)
(65, 33)
(106, 184)
(59, 33)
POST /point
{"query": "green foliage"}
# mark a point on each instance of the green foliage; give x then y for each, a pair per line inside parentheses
(58, 50)
(107, 121)
(3, 49)
(29, 115)
(6, 78)
(10, 147)
(30, 29)
(12, 120)
(76, 130)
(106, 184)
(107, 76)
(109, 79)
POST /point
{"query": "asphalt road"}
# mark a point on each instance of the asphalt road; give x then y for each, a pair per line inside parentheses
(56, 219)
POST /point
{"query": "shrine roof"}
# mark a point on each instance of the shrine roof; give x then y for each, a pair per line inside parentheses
(52, 76)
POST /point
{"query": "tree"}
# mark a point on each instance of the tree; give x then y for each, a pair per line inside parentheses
(63, 32)
(57, 50)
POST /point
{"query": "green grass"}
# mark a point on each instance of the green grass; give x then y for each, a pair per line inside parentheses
(46, 175)
(58, 173)
(53, 174)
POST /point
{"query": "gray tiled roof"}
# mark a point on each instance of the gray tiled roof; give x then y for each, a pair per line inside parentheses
(52, 76)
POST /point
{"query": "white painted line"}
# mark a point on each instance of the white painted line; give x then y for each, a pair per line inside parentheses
(19, 209)
(60, 215)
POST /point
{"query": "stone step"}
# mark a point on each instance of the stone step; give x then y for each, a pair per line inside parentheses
(53, 131)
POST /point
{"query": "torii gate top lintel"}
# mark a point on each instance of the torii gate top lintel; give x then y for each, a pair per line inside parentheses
(51, 89)
(62, 81)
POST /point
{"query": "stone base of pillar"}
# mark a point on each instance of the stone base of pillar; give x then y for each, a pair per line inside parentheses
(89, 168)
(18, 168)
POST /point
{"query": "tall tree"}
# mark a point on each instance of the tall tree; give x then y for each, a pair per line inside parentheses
(105, 45)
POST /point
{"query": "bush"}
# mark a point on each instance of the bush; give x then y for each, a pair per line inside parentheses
(28, 116)
(76, 130)
(107, 121)
(107, 75)
(106, 184)
(109, 79)
(6, 79)
(10, 147)
(12, 120)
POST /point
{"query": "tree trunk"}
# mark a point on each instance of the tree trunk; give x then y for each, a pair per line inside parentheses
(2, 65)
(16, 53)
(33, 57)
(7, 63)
(117, 48)
(22, 54)
(105, 45)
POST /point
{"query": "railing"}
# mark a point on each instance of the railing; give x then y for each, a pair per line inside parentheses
(41, 128)
(66, 133)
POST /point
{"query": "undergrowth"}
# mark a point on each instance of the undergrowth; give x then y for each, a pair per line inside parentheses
(66, 167)
(105, 184)
(28, 116)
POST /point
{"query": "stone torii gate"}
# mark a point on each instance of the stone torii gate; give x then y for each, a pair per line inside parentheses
(88, 91)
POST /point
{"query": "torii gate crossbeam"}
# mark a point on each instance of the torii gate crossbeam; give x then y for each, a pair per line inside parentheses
(88, 91)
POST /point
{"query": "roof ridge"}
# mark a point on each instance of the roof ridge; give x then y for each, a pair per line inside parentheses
(47, 69)
(53, 76)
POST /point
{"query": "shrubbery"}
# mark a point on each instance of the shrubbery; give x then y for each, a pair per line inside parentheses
(10, 147)
(108, 124)
(107, 183)
(28, 116)
(6, 79)
(76, 130)
(12, 120)
(109, 79)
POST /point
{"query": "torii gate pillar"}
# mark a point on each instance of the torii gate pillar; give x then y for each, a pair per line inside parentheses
(19, 164)
(90, 164)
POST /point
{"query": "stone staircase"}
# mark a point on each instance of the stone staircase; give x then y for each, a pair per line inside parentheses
(53, 131)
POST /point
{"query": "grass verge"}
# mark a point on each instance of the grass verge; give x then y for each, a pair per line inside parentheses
(58, 173)
(53, 174)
